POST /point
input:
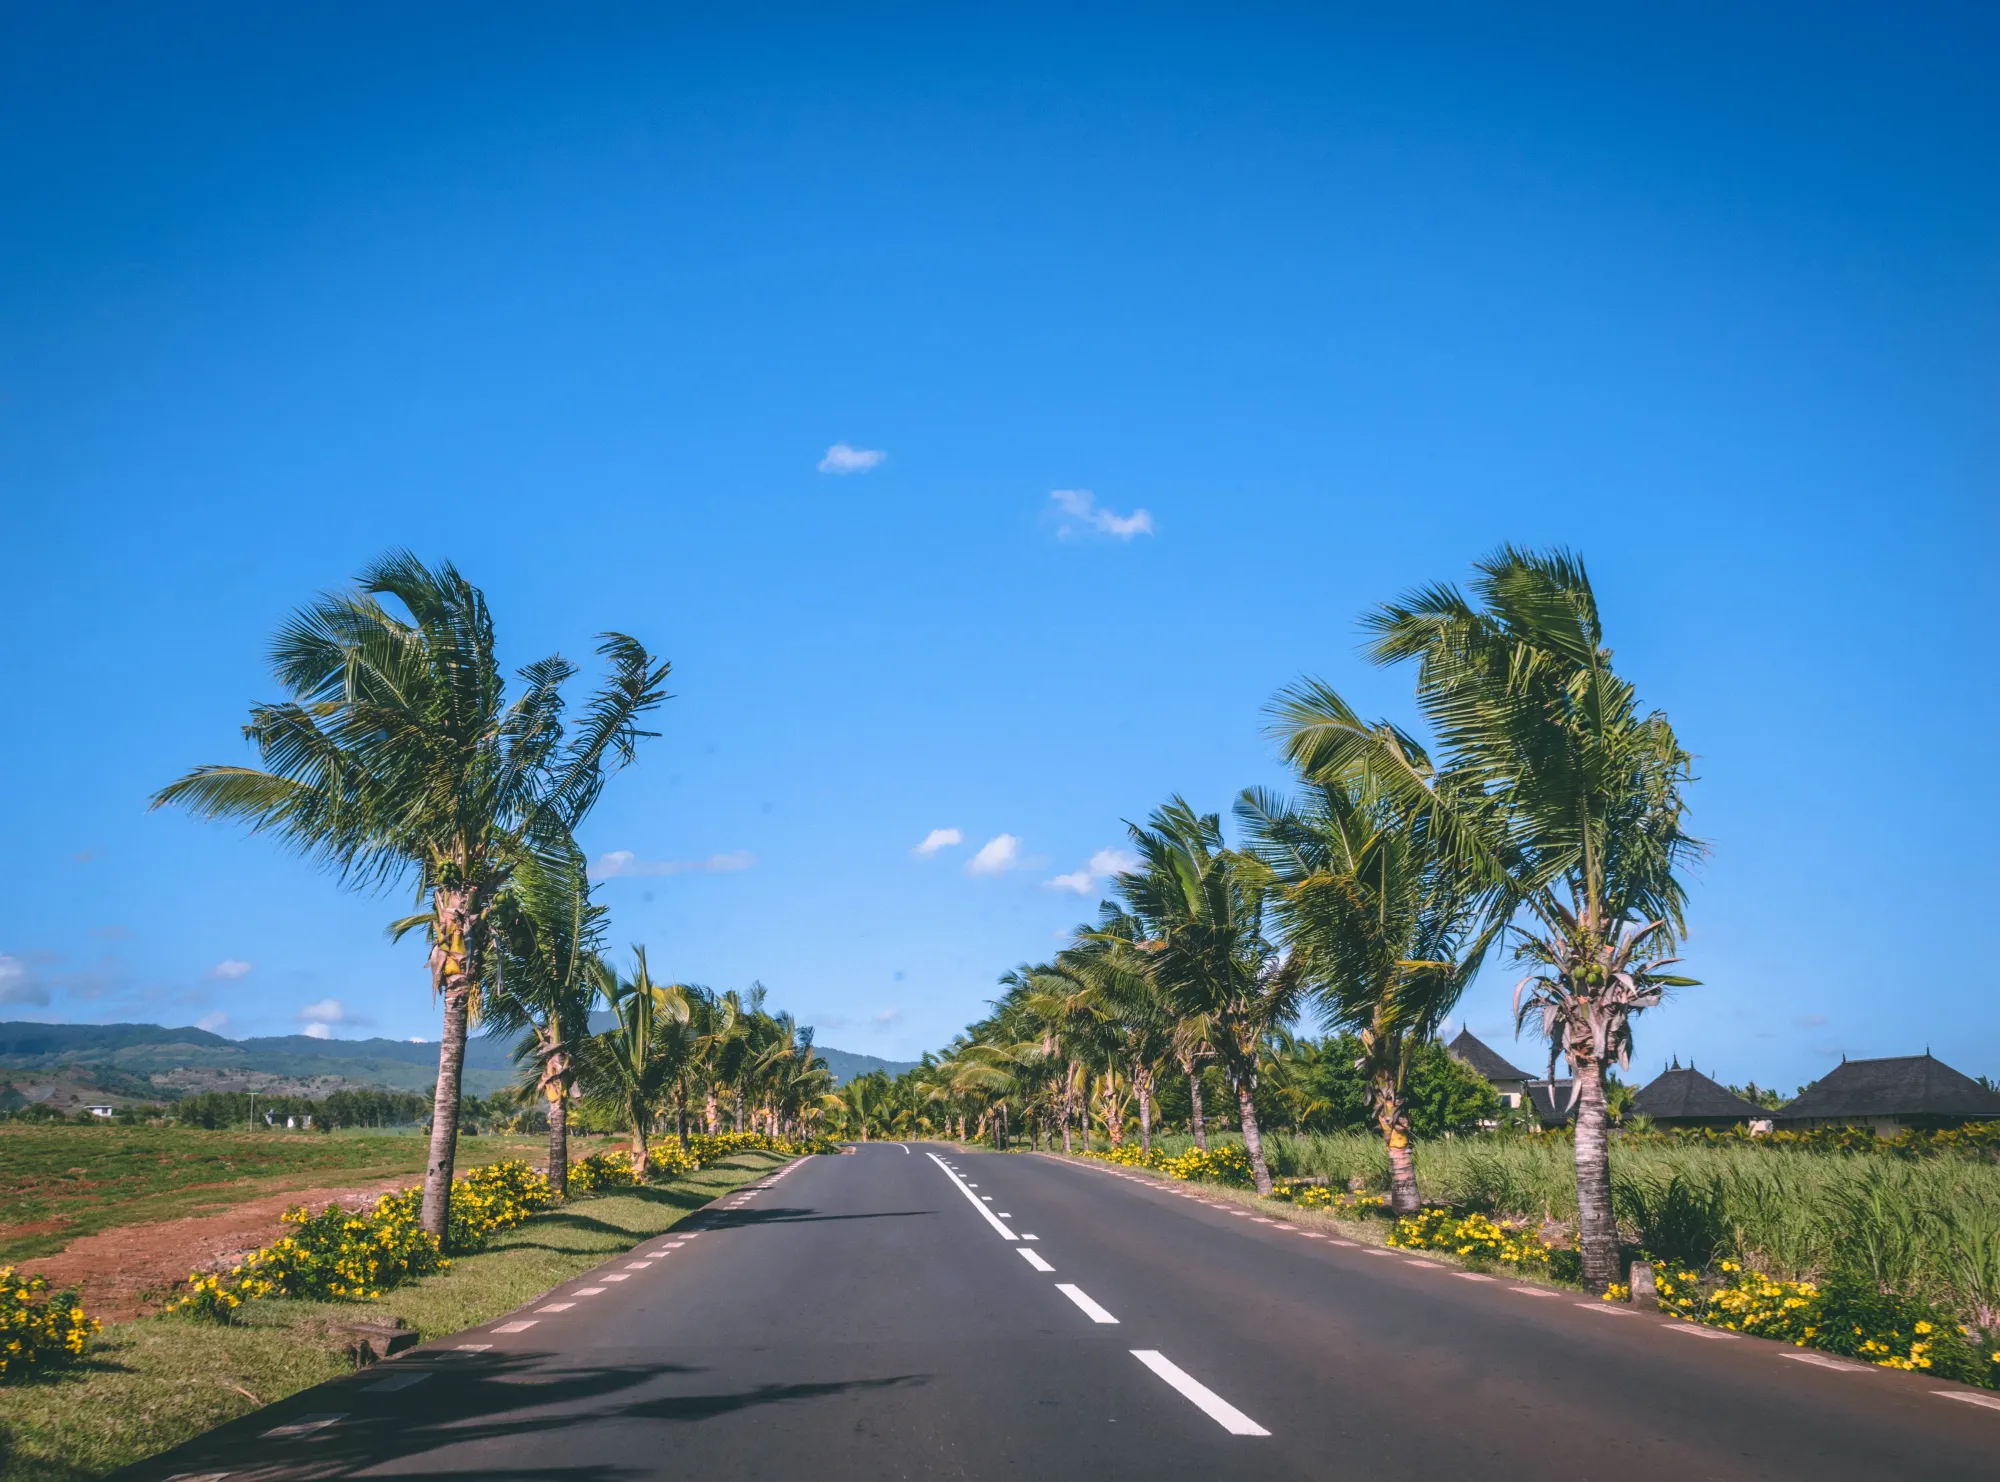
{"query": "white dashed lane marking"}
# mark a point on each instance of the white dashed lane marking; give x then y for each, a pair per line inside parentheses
(1035, 1260)
(515, 1327)
(556, 1307)
(1077, 1295)
(1205, 1399)
(400, 1381)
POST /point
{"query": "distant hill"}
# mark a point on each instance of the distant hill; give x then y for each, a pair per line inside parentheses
(137, 1060)
(846, 1065)
(133, 1060)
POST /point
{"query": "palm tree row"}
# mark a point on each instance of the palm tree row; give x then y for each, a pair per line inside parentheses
(398, 757)
(1544, 817)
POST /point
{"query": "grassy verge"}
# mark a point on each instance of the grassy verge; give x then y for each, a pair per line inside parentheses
(149, 1385)
(57, 1183)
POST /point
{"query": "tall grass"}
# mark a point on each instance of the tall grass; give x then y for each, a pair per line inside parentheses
(1926, 1228)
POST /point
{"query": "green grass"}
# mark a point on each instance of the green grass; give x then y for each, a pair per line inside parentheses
(149, 1385)
(1927, 1228)
(62, 1182)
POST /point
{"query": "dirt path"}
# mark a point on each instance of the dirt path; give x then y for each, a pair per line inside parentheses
(126, 1272)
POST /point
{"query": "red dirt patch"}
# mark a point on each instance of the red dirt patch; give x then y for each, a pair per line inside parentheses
(126, 1272)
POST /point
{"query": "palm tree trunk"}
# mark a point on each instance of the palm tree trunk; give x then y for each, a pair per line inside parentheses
(559, 1144)
(739, 1108)
(711, 1113)
(1195, 1122)
(1142, 1080)
(1403, 1196)
(1597, 1230)
(444, 1112)
(1252, 1143)
(681, 1114)
(640, 1164)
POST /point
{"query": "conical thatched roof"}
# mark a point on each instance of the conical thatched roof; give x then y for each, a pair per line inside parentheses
(1687, 1095)
(1900, 1086)
(1477, 1057)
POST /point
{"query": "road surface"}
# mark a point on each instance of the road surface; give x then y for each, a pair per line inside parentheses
(913, 1312)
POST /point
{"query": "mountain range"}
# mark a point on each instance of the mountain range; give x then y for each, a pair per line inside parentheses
(151, 1061)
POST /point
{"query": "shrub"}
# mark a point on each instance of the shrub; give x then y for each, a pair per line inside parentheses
(1484, 1241)
(601, 1171)
(1341, 1203)
(39, 1329)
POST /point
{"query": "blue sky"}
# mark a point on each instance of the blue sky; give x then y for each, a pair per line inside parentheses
(1338, 301)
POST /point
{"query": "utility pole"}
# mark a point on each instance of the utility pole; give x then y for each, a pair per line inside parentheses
(253, 1111)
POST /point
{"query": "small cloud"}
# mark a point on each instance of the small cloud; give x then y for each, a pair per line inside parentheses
(111, 933)
(230, 969)
(888, 1016)
(83, 856)
(996, 856)
(1809, 1021)
(214, 1023)
(20, 983)
(1083, 515)
(936, 839)
(622, 864)
(418, 1039)
(1103, 865)
(322, 1016)
(840, 458)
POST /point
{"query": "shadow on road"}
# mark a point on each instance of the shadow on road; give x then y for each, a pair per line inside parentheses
(469, 1399)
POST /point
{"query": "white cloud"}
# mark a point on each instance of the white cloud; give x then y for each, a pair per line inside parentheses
(213, 1023)
(1103, 865)
(1082, 514)
(840, 458)
(230, 969)
(936, 839)
(20, 983)
(622, 864)
(996, 856)
(322, 1016)
(888, 1016)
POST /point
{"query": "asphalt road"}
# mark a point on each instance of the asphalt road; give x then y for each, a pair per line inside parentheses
(909, 1312)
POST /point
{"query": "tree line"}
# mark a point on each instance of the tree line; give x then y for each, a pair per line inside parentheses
(1540, 815)
(398, 757)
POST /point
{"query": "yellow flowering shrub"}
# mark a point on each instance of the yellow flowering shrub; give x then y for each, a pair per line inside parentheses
(38, 1328)
(1226, 1163)
(601, 1171)
(1484, 1241)
(1843, 1314)
(1339, 1202)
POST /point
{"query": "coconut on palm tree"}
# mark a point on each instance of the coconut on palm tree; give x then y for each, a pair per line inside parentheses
(1551, 787)
(399, 755)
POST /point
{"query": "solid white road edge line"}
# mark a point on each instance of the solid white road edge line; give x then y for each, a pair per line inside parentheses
(1958, 1394)
(1091, 1309)
(1034, 1260)
(1206, 1400)
(985, 1213)
(304, 1425)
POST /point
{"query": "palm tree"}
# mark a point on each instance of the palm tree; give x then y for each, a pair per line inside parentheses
(544, 972)
(1142, 1024)
(1383, 928)
(632, 1066)
(1199, 913)
(1554, 791)
(398, 753)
